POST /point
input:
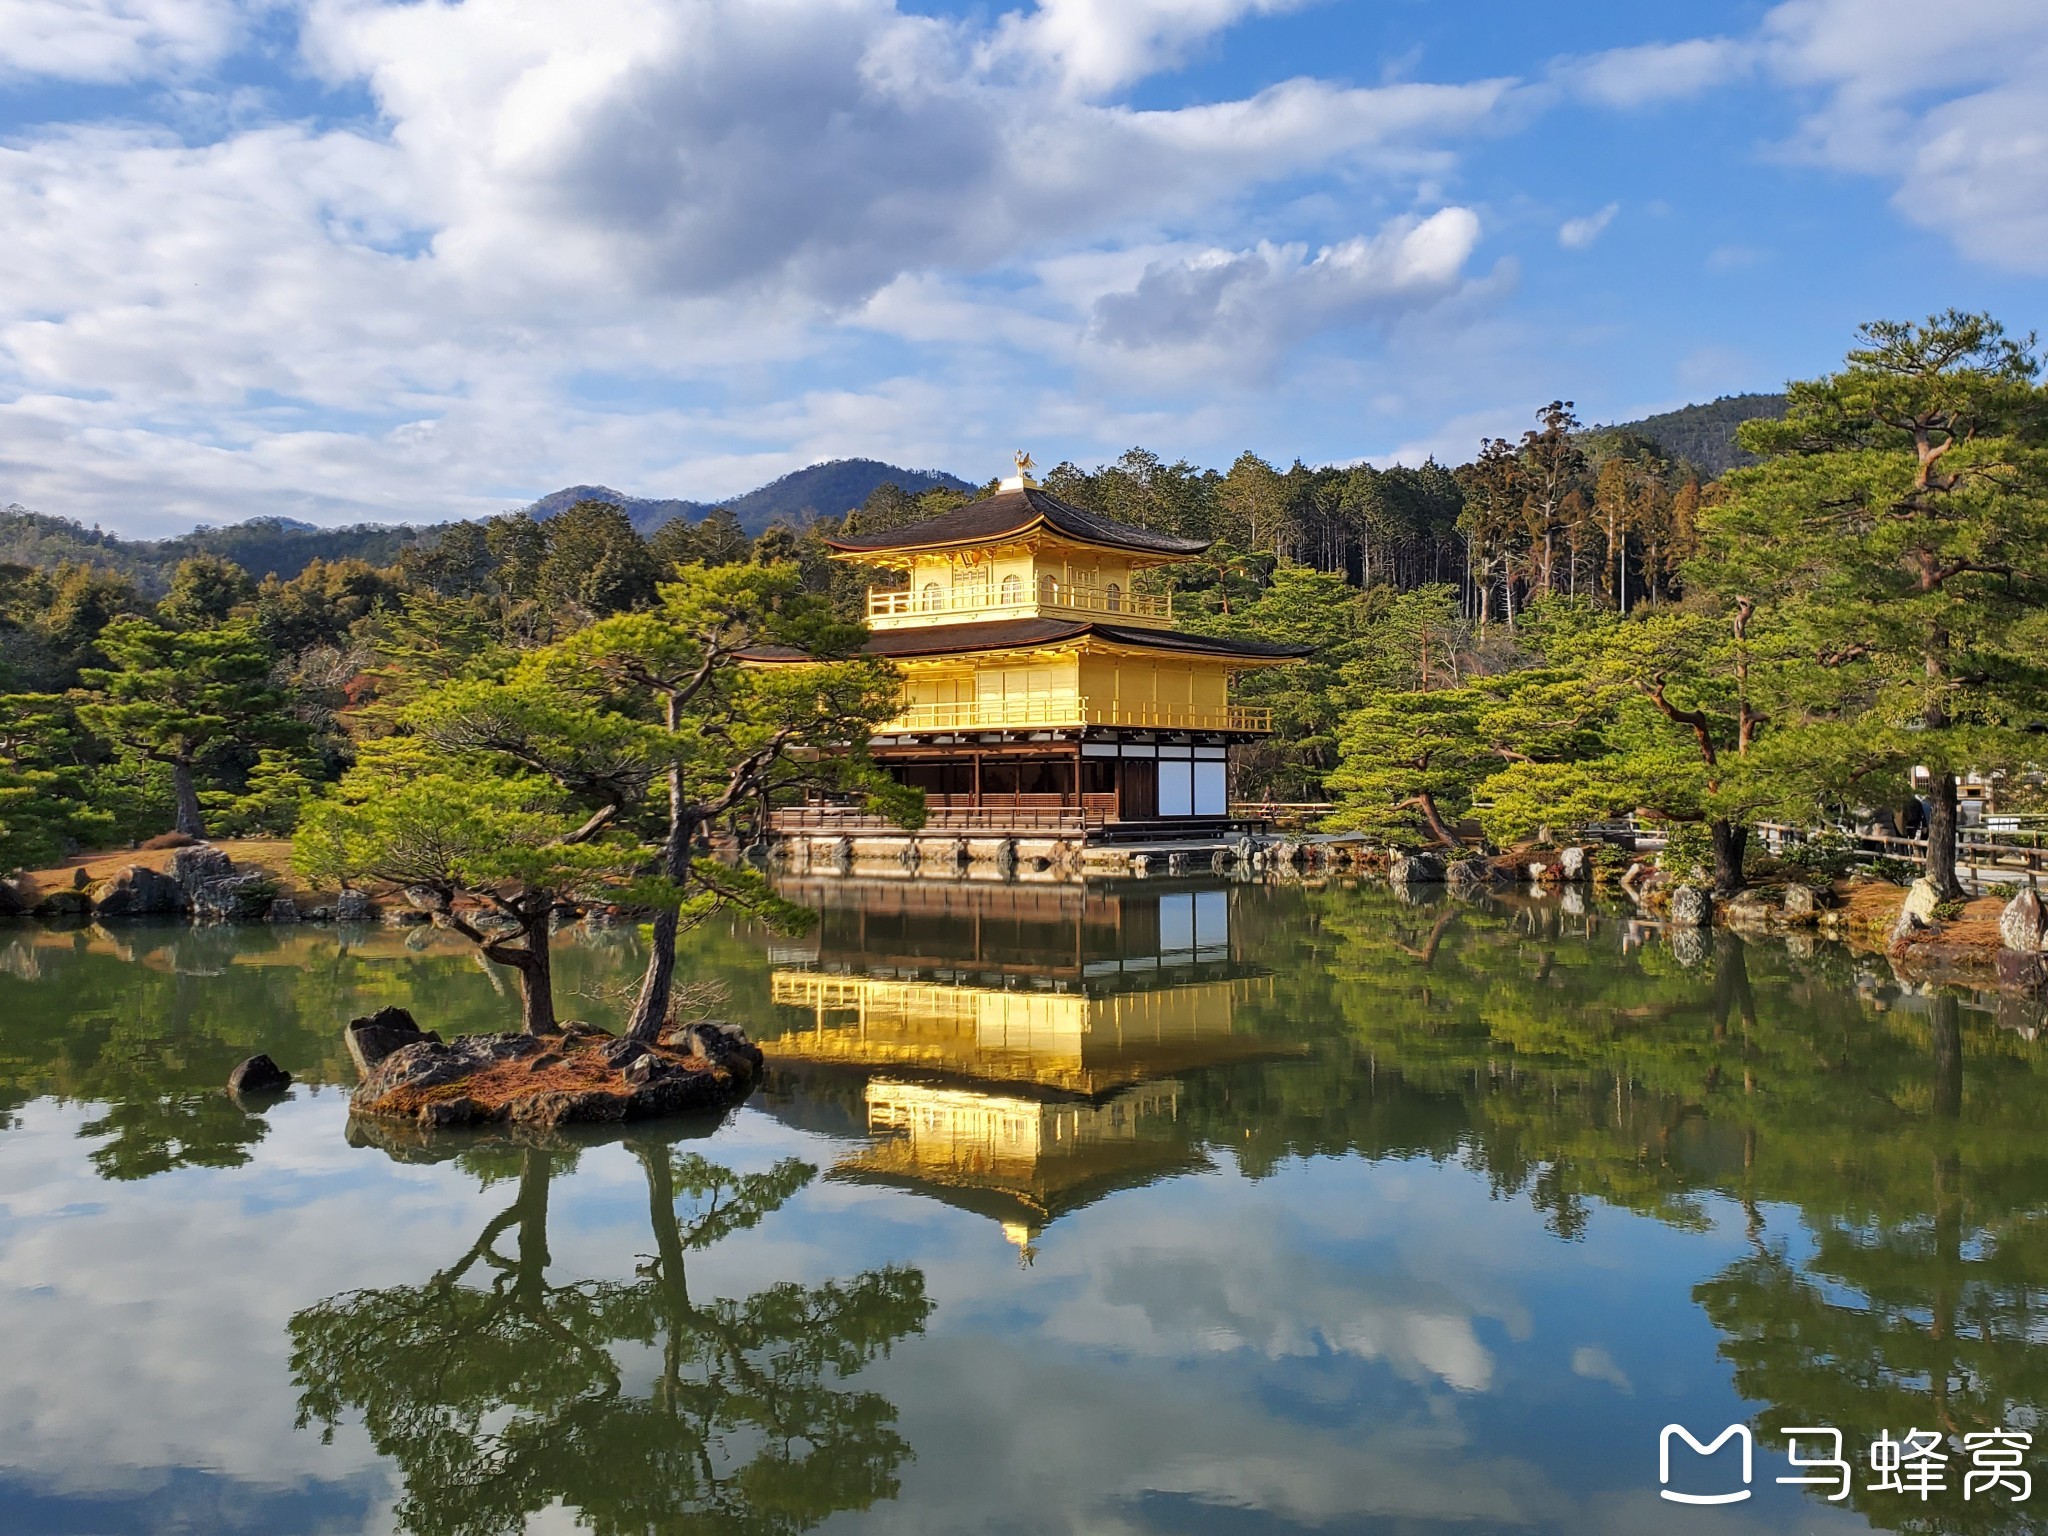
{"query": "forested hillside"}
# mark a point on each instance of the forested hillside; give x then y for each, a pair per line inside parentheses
(1704, 435)
(262, 546)
(831, 489)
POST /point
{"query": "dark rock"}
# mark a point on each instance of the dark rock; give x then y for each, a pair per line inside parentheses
(234, 900)
(1692, 906)
(282, 910)
(412, 919)
(378, 1035)
(198, 866)
(705, 1067)
(259, 1074)
(11, 903)
(212, 890)
(64, 904)
(723, 1045)
(621, 1053)
(353, 907)
(137, 891)
(544, 1060)
(449, 1114)
(1415, 869)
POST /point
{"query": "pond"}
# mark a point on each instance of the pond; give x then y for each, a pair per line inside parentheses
(1162, 1206)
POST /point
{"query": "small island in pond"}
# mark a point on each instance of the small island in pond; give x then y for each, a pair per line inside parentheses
(578, 1074)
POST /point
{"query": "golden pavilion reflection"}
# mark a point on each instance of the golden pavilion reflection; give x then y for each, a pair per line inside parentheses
(1019, 1047)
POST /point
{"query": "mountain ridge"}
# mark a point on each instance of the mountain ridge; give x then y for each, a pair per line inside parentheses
(829, 488)
(284, 546)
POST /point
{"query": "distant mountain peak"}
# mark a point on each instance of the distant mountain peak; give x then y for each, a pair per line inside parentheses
(829, 489)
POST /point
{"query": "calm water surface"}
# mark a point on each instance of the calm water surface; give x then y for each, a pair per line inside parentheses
(1145, 1208)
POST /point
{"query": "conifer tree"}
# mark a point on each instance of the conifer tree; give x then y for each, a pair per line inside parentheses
(1901, 523)
(732, 737)
(177, 697)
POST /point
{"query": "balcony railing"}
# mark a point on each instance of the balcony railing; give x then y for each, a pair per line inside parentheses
(1067, 710)
(1017, 597)
(995, 816)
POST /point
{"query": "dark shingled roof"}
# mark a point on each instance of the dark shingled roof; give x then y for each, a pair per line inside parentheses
(1009, 512)
(1011, 634)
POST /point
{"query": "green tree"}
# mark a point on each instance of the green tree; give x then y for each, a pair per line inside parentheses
(181, 697)
(732, 736)
(206, 591)
(1901, 522)
(321, 605)
(1552, 464)
(275, 790)
(1300, 607)
(596, 561)
(44, 809)
(1429, 755)
(495, 855)
(1679, 705)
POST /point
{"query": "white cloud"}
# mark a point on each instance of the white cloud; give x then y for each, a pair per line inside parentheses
(1577, 234)
(1955, 116)
(1655, 72)
(1240, 309)
(391, 320)
(111, 40)
(1098, 45)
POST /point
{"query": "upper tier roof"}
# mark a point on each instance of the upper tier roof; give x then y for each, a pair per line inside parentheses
(1013, 634)
(1013, 512)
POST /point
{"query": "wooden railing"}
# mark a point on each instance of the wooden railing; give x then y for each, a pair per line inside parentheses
(994, 816)
(1990, 855)
(996, 598)
(1066, 709)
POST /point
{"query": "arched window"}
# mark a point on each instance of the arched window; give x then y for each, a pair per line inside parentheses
(934, 597)
(1115, 594)
(1013, 591)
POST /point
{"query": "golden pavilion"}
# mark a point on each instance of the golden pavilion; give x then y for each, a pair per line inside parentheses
(1045, 694)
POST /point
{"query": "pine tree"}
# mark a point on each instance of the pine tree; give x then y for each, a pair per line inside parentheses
(178, 697)
(1901, 524)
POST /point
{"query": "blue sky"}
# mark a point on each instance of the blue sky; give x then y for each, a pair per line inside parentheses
(344, 259)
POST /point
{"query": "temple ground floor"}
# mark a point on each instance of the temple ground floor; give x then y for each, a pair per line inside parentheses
(1089, 786)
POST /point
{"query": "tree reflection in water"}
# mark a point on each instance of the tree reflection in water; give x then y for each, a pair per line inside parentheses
(499, 1391)
(1883, 1146)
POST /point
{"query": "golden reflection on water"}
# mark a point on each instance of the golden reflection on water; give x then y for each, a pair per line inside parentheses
(1021, 1047)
